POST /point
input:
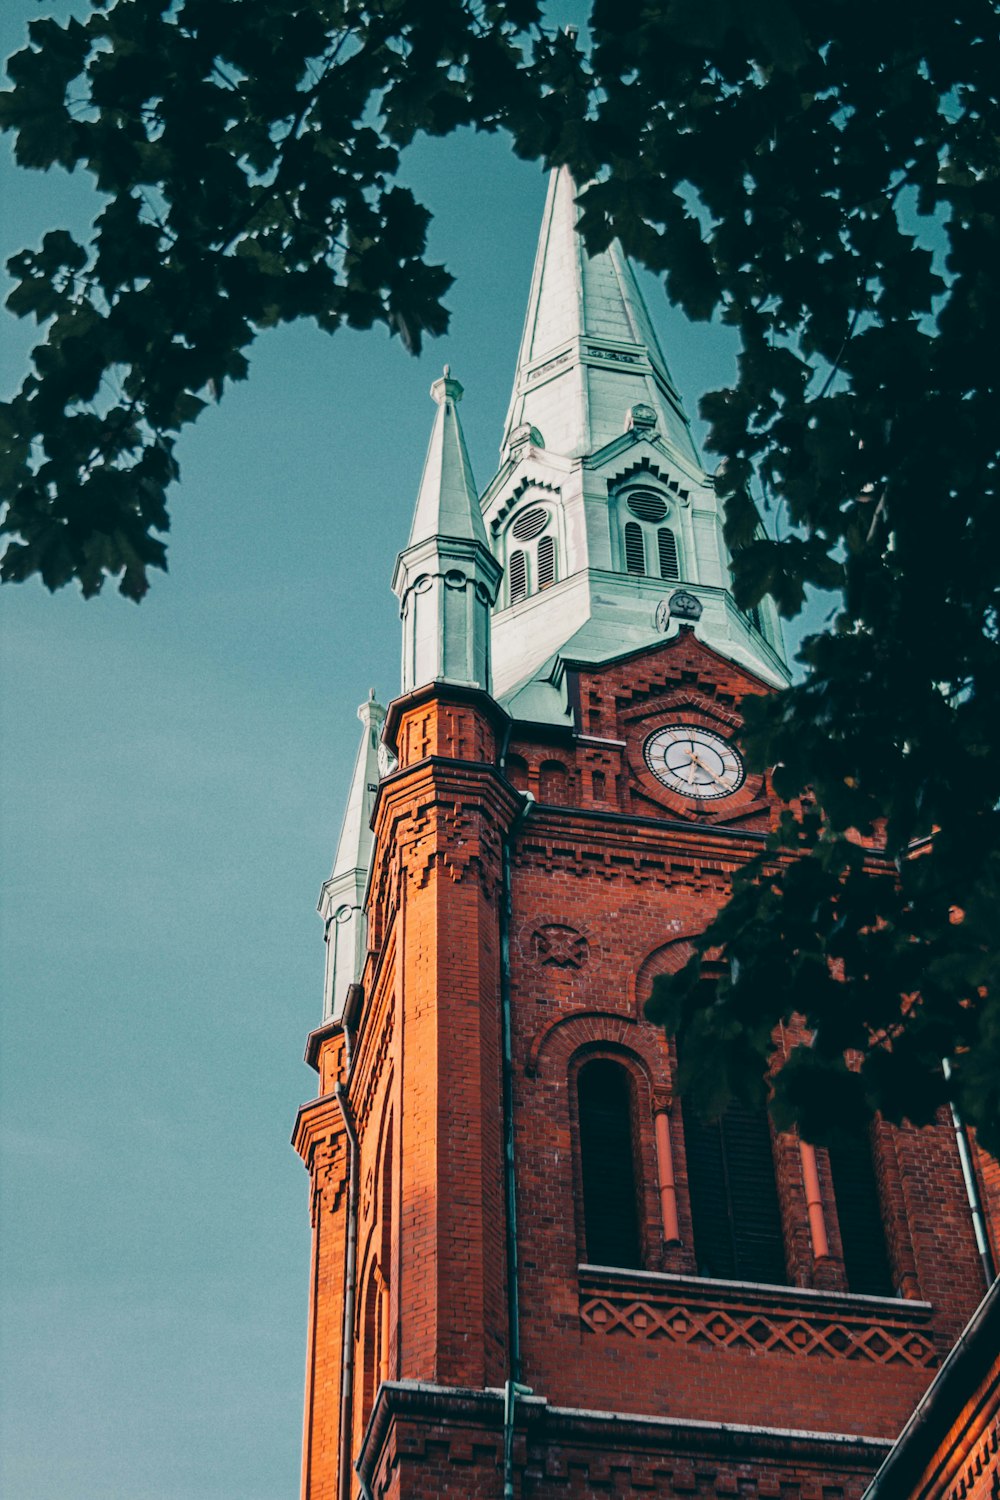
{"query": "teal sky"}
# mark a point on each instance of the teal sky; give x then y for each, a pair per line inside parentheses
(173, 781)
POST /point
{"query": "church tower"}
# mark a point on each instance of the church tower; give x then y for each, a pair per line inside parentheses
(532, 1274)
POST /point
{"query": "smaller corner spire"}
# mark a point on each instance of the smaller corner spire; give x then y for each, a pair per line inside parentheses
(447, 501)
(446, 578)
(341, 903)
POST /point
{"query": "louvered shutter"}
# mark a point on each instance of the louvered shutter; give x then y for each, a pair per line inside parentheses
(734, 1199)
(759, 1243)
(859, 1213)
(710, 1211)
(635, 555)
(667, 546)
(607, 1163)
(518, 574)
(546, 562)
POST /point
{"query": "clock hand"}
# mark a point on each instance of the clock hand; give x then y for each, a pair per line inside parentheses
(710, 774)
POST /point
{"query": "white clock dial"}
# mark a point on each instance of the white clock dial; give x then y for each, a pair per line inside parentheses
(694, 761)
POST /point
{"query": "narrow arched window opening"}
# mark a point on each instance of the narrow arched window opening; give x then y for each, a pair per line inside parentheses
(734, 1200)
(373, 1333)
(859, 1213)
(518, 574)
(546, 561)
(635, 552)
(608, 1166)
(666, 544)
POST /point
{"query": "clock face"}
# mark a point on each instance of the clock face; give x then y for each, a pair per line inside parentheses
(694, 761)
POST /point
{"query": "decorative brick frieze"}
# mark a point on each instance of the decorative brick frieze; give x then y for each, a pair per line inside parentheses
(773, 1320)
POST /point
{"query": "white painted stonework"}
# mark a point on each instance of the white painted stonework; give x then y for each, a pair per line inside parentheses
(342, 899)
(596, 427)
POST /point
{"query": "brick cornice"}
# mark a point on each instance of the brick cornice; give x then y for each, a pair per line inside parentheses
(316, 1121)
(445, 692)
(603, 1434)
(316, 1038)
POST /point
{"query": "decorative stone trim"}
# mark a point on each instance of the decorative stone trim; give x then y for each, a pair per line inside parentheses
(731, 1315)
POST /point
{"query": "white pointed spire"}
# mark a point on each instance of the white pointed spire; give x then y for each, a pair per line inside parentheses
(601, 506)
(446, 579)
(341, 903)
(589, 351)
(447, 501)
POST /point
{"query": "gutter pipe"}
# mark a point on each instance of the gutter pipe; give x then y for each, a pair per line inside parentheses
(886, 1484)
(512, 1386)
(350, 1278)
(971, 1185)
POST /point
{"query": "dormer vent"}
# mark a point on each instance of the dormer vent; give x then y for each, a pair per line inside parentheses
(529, 523)
(647, 506)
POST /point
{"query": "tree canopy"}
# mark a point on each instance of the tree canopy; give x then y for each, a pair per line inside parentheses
(824, 179)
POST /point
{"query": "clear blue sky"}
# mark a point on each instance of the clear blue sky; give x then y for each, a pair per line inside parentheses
(173, 779)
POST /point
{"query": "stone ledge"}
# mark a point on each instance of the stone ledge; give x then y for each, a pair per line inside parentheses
(412, 1419)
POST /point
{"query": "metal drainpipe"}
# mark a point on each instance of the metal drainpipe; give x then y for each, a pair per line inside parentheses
(350, 1276)
(971, 1186)
(512, 1387)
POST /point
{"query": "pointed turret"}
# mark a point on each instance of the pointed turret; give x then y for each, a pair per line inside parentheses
(446, 580)
(341, 903)
(589, 351)
(601, 506)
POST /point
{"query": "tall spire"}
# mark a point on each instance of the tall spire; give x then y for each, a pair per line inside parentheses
(601, 506)
(589, 350)
(446, 579)
(341, 902)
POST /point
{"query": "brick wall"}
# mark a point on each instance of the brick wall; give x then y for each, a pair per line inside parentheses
(612, 874)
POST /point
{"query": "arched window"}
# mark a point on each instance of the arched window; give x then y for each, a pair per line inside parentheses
(553, 783)
(517, 771)
(648, 545)
(734, 1199)
(531, 555)
(635, 552)
(859, 1213)
(517, 574)
(546, 561)
(375, 1335)
(607, 1164)
(666, 545)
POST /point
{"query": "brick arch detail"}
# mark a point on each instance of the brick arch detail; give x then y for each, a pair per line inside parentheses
(667, 958)
(565, 1036)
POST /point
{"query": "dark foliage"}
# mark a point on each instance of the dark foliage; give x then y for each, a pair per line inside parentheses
(786, 166)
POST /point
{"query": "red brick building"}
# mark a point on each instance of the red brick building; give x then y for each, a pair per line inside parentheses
(532, 1276)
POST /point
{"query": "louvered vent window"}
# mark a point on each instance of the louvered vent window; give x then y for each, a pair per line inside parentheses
(667, 547)
(635, 553)
(753, 615)
(859, 1213)
(607, 1160)
(646, 506)
(517, 572)
(529, 523)
(734, 1199)
(546, 562)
